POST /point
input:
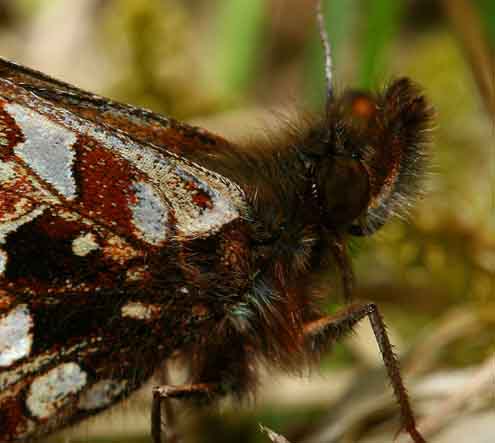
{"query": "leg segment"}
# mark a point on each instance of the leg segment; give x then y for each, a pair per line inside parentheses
(168, 409)
(199, 391)
(322, 332)
(339, 251)
(219, 364)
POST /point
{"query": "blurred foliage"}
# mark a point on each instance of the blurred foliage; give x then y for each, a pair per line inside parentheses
(487, 14)
(198, 58)
(338, 32)
(383, 19)
(240, 25)
(133, 31)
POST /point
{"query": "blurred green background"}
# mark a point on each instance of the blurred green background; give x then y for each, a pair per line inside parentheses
(234, 66)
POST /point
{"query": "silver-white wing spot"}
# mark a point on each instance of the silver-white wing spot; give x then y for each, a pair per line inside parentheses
(47, 149)
(101, 394)
(7, 171)
(84, 244)
(136, 273)
(140, 311)
(32, 365)
(52, 390)
(149, 214)
(12, 207)
(166, 171)
(16, 336)
(3, 262)
(193, 220)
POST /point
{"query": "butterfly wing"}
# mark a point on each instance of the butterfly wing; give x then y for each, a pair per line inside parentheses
(96, 234)
(141, 124)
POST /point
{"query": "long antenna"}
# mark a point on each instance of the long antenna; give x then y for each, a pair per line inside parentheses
(327, 49)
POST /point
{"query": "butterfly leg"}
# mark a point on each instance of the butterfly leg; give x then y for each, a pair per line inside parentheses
(163, 377)
(162, 394)
(319, 334)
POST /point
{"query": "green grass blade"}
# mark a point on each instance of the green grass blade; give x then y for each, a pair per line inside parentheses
(240, 29)
(381, 20)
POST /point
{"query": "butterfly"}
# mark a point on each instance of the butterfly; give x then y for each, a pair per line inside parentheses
(128, 238)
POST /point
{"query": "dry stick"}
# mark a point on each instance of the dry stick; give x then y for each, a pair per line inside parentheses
(468, 27)
(457, 322)
(273, 436)
(466, 21)
(481, 382)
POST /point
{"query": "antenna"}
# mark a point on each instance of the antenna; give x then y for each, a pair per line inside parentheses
(327, 49)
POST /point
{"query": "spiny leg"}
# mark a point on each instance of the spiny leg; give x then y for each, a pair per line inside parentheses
(200, 391)
(163, 377)
(326, 330)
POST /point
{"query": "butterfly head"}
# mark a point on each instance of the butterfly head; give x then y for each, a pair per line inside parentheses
(369, 156)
